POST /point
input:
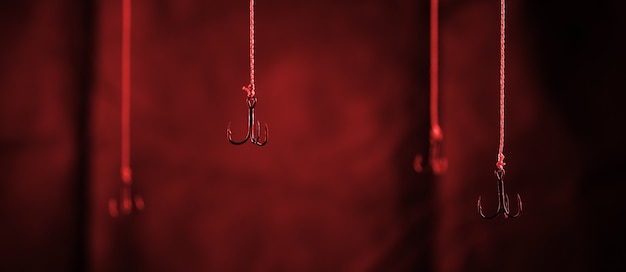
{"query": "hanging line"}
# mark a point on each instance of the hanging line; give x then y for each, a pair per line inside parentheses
(125, 116)
(438, 164)
(503, 198)
(127, 199)
(254, 128)
(434, 63)
(500, 163)
(251, 88)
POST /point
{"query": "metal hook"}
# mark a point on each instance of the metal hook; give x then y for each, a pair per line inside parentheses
(254, 130)
(128, 201)
(437, 163)
(503, 200)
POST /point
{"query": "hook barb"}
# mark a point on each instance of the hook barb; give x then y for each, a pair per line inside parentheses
(229, 135)
(255, 139)
(480, 210)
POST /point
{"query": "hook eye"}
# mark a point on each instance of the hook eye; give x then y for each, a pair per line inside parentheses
(251, 101)
(499, 173)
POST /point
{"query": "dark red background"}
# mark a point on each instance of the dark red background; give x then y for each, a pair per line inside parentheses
(344, 89)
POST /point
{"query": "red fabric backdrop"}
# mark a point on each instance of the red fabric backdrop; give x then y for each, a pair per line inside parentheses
(344, 90)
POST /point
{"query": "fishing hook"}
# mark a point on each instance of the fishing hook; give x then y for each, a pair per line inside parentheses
(252, 127)
(128, 201)
(503, 200)
(436, 162)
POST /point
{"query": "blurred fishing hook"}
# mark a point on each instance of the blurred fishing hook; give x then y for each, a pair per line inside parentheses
(436, 161)
(254, 130)
(128, 201)
(503, 200)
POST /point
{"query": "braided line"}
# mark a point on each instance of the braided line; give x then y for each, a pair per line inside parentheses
(251, 88)
(500, 164)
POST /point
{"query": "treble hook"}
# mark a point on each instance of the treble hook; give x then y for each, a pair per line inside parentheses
(252, 127)
(503, 200)
(127, 200)
(436, 161)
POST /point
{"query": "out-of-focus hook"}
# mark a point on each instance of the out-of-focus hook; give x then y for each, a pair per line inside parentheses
(503, 200)
(128, 201)
(254, 129)
(436, 161)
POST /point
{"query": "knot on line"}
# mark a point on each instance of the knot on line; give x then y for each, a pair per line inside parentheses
(250, 89)
(500, 163)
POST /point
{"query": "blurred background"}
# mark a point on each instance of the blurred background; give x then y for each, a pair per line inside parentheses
(344, 88)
